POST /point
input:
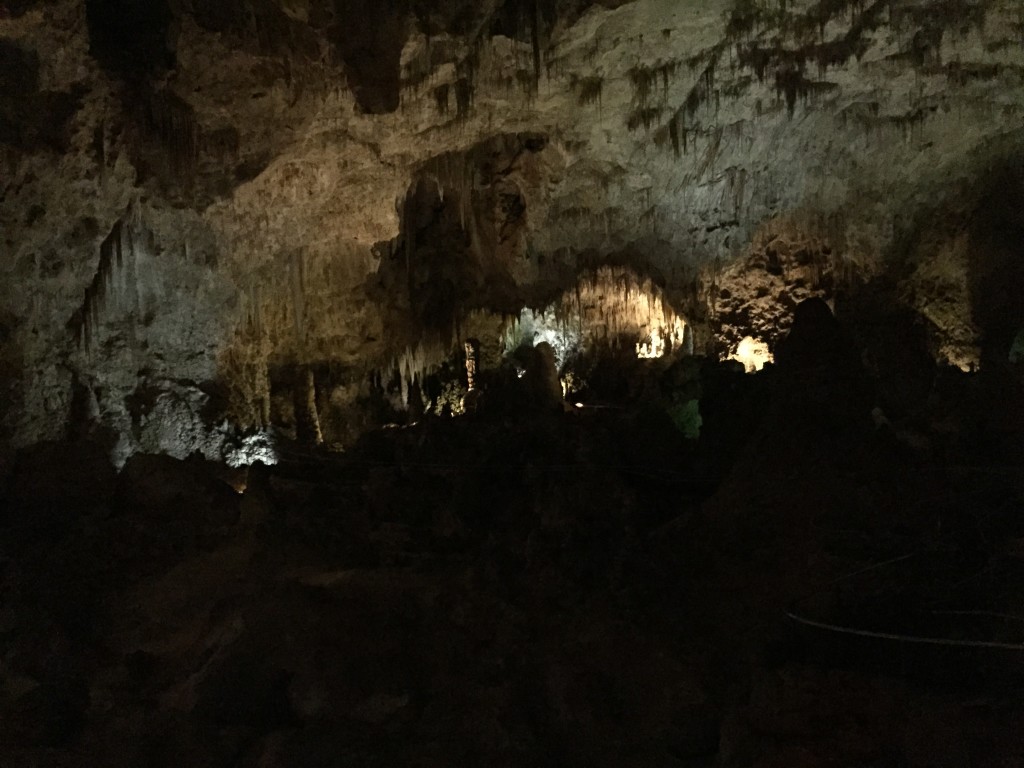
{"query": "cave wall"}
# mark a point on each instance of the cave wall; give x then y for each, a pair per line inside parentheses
(265, 160)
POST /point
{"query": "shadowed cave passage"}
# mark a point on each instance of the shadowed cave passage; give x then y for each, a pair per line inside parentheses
(365, 603)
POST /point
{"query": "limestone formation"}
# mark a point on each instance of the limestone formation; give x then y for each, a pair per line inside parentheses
(511, 383)
(198, 200)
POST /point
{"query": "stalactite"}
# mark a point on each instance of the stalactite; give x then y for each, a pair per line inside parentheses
(608, 306)
(297, 275)
(415, 363)
(454, 173)
(645, 117)
(588, 90)
(253, 308)
(109, 283)
(739, 192)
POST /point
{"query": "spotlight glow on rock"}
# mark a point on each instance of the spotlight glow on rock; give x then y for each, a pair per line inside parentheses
(753, 353)
(609, 305)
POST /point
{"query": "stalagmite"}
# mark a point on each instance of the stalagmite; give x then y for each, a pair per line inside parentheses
(307, 421)
(471, 348)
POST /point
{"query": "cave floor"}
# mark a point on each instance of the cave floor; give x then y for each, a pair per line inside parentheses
(527, 589)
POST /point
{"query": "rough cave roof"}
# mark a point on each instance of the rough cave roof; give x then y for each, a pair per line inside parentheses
(263, 150)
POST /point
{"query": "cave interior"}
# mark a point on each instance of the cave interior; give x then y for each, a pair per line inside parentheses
(512, 382)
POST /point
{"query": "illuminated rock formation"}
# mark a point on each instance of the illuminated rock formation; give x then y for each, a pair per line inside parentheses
(244, 164)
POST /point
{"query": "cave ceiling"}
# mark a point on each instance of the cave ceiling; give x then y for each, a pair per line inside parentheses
(196, 192)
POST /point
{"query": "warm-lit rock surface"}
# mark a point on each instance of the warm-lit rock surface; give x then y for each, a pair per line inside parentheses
(261, 153)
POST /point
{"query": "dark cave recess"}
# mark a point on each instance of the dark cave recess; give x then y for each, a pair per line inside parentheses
(532, 585)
